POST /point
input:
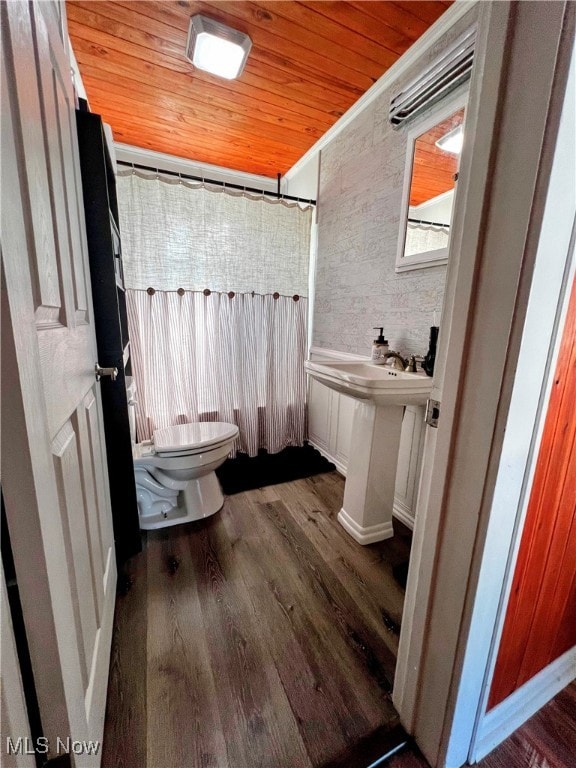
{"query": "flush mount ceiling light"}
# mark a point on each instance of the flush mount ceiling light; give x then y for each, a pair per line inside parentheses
(452, 141)
(216, 48)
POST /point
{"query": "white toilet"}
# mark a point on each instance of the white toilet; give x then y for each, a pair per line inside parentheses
(175, 478)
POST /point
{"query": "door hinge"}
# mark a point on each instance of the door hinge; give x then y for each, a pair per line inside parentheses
(432, 413)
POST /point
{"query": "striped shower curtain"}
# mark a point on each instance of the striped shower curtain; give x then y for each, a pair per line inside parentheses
(237, 359)
(216, 295)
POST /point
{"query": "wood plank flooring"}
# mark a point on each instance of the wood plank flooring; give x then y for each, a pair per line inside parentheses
(263, 636)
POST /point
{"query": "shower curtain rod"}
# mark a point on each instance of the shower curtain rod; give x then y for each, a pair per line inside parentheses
(430, 223)
(225, 184)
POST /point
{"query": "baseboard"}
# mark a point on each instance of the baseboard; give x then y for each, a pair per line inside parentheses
(509, 715)
(368, 535)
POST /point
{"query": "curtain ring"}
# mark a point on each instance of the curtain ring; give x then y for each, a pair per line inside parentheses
(180, 291)
(150, 291)
(207, 291)
(231, 294)
(275, 295)
(296, 297)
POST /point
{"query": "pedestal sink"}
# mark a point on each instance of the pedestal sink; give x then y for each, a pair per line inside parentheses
(381, 394)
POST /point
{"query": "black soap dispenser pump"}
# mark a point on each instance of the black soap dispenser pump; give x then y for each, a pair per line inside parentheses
(430, 358)
(379, 347)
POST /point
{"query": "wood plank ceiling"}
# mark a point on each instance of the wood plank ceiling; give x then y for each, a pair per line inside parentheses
(310, 61)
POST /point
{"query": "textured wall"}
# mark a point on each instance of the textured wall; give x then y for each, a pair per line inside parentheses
(361, 184)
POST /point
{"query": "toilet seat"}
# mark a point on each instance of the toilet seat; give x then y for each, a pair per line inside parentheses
(190, 439)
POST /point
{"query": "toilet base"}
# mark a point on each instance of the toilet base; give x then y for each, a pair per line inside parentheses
(201, 498)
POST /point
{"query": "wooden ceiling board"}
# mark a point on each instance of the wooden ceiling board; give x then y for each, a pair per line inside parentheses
(309, 63)
(338, 33)
(214, 108)
(92, 47)
(388, 15)
(276, 42)
(103, 17)
(309, 105)
(237, 126)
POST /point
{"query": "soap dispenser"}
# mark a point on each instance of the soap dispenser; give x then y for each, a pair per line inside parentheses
(379, 348)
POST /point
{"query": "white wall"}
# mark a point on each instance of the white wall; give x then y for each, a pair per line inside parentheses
(360, 196)
(302, 179)
(437, 209)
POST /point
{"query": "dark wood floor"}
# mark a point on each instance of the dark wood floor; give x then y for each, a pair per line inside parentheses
(547, 740)
(263, 636)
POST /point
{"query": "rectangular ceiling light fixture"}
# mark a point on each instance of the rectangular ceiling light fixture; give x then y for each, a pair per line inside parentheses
(452, 141)
(217, 48)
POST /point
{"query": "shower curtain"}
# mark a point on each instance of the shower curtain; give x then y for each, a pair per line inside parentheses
(216, 286)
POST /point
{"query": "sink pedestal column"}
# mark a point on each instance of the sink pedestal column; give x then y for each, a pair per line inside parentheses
(371, 477)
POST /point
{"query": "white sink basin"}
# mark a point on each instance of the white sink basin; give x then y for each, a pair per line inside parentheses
(366, 381)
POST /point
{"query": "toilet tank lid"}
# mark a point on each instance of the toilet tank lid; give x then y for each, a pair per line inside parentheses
(201, 434)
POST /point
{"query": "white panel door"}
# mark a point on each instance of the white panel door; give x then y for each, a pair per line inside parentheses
(53, 461)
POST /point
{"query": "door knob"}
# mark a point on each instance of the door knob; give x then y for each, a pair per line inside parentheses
(99, 372)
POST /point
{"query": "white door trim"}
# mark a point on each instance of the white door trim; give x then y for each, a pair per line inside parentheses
(509, 715)
(496, 227)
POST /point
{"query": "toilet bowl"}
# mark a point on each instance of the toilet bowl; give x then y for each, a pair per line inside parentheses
(152, 497)
(175, 478)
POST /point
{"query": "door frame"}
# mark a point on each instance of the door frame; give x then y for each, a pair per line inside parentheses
(553, 283)
(497, 219)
